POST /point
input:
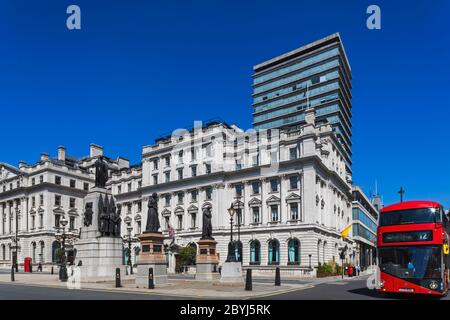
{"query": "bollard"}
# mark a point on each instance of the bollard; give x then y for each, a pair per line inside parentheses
(118, 278)
(52, 270)
(12, 274)
(248, 281)
(277, 277)
(31, 268)
(151, 283)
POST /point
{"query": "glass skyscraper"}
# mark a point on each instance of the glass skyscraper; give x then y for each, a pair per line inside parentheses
(317, 75)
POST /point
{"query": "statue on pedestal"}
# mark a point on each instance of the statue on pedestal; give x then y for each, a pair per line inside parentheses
(88, 214)
(152, 215)
(207, 224)
(101, 173)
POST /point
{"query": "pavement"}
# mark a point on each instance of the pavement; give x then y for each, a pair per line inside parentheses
(175, 288)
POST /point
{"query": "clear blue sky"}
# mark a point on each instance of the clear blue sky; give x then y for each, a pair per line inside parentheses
(139, 69)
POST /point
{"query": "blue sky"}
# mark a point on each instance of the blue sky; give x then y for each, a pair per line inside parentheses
(139, 69)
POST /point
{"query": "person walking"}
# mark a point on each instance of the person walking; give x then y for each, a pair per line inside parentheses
(358, 270)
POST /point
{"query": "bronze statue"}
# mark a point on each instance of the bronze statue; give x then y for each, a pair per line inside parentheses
(88, 214)
(207, 224)
(101, 173)
(152, 215)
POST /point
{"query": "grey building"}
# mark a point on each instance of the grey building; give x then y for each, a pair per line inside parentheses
(317, 75)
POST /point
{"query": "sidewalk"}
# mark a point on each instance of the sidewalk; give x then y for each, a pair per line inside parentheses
(175, 287)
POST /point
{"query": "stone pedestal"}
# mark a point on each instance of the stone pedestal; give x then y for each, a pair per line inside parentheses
(231, 273)
(151, 256)
(207, 260)
(99, 255)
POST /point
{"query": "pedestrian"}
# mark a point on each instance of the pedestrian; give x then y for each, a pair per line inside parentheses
(40, 267)
(358, 269)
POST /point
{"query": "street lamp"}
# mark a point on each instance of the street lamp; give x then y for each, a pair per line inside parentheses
(128, 239)
(63, 268)
(16, 243)
(231, 249)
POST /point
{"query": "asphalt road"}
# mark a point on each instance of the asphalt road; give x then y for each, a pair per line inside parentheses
(348, 289)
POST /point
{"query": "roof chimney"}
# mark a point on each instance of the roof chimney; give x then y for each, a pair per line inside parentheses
(95, 150)
(22, 164)
(44, 156)
(61, 153)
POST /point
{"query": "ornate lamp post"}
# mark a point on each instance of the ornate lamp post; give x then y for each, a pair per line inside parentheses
(231, 246)
(15, 240)
(62, 238)
(129, 240)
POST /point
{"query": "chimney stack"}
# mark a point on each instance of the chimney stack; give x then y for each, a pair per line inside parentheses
(61, 153)
(22, 164)
(95, 150)
(44, 156)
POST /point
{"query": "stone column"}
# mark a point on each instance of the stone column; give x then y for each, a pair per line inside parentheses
(2, 211)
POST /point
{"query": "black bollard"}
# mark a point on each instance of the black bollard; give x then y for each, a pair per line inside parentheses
(12, 274)
(151, 282)
(118, 278)
(31, 268)
(277, 277)
(52, 270)
(248, 281)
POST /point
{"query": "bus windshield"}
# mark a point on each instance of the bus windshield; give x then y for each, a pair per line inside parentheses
(425, 215)
(411, 262)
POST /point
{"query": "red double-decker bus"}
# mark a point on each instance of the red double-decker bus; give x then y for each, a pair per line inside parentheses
(412, 243)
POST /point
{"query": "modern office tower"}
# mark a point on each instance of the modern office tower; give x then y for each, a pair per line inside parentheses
(317, 75)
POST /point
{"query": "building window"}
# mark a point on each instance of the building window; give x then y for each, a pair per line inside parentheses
(207, 168)
(255, 252)
(57, 220)
(208, 193)
(139, 184)
(239, 220)
(194, 171)
(294, 211)
(129, 187)
(256, 215)
(167, 160)
(86, 186)
(274, 212)
(180, 174)
(180, 198)
(166, 221)
(72, 203)
(193, 154)
(167, 174)
(294, 251)
(274, 185)
(41, 220)
(33, 181)
(239, 188)
(129, 208)
(41, 200)
(193, 220)
(58, 180)
(194, 194)
(293, 182)
(57, 200)
(139, 227)
(293, 154)
(155, 164)
(33, 201)
(33, 222)
(180, 221)
(72, 223)
(139, 206)
(255, 187)
(180, 157)
(238, 251)
(167, 199)
(119, 189)
(41, 179)
(274, 252)
(72, 183)
(155, 179)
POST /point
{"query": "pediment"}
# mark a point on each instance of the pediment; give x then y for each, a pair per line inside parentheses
(273, 199)
(254, 202)
(192, 208)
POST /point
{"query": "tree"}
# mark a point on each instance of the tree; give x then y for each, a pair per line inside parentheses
(187, 255)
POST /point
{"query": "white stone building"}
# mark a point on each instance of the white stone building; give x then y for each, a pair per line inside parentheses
(33, 199)
(292, 198)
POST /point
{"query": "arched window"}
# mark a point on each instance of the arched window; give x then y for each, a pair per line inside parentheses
(238, 251)
(255, 252)
(41, 251)
(294, 251)
(56, 252)
(274, 251)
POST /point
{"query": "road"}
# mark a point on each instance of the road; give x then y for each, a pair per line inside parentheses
(348, 289)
